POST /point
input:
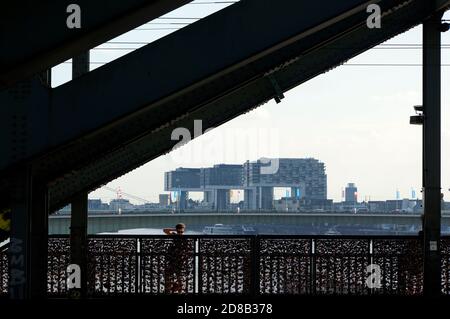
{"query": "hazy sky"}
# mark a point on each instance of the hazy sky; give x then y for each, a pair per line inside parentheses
(355, 119)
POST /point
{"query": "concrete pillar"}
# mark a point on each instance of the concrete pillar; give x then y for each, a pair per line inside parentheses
(182, 201)
(294, 192)
(221, 199)
(266, 198)
(259, 197)
(208, 197)
(250, 199)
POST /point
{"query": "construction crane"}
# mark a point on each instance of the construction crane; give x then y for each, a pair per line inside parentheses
(129, 196)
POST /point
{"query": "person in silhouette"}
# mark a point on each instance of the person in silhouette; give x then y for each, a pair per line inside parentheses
(176, 260)
(178, 230)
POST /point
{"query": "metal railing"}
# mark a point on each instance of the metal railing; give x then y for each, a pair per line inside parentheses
(309, 265)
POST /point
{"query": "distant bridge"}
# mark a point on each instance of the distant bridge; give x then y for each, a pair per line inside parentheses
(108, 222)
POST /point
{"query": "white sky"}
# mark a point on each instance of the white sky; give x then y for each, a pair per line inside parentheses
(355, 119)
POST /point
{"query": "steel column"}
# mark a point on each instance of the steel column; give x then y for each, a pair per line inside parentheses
(80, 64)
(29, 208)
(255, 277)
(432, 153)
(29, 236)
(78, 240)
(79, 214)
(39, 238)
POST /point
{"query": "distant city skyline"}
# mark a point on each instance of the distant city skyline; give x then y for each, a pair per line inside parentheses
(349, 192)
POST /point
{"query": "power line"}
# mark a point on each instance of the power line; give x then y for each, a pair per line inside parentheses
(213, 2)
(177, 18)
(178, 23)
(153, 29)
(346, 64)
(128, 42)
(387, 64)
(382, 44)
(143, 43)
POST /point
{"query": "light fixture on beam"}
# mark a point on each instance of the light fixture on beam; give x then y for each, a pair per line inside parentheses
(418, 118)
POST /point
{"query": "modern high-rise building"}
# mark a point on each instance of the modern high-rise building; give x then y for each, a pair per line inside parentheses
(351, 193)
(308, 174)
(221, 175)
(218, 181)
(182, 178)
(304, 176)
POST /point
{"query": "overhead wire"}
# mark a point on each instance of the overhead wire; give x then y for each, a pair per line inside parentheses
(167, 21)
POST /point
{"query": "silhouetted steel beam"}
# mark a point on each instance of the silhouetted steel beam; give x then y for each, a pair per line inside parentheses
(79, 207)
(28, 200)
(78, 241)
(35, 36)
(432, 154)
(80, 120)
(247, 33)
(234, 103)
(28, 237)
(170, 77)
(134, 97)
